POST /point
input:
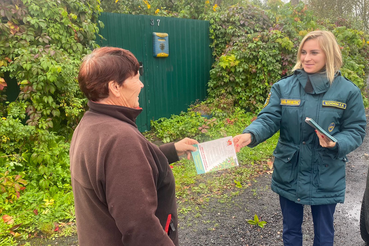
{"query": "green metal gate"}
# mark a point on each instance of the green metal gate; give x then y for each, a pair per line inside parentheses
(171, 83)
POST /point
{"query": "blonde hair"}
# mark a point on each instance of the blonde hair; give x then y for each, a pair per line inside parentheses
(331, 49)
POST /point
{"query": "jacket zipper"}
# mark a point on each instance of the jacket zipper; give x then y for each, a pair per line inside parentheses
(314, 154)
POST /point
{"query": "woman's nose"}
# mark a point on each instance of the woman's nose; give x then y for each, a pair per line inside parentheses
(307, 57)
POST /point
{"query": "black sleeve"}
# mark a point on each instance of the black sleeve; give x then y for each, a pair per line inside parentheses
(170, 152)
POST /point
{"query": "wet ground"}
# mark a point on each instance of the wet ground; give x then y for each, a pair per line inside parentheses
(226, 224)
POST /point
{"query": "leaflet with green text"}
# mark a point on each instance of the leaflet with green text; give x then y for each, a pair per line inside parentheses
(215, 155)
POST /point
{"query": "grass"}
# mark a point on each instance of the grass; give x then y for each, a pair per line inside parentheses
(194, 191)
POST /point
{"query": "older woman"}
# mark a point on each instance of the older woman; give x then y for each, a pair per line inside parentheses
(309, 168)
(124, 189)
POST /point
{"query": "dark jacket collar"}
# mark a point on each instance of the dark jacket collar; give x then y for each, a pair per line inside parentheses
(122, 113)
(319, 81)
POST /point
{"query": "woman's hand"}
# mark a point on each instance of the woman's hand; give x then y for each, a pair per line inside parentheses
(184, 146)
(324, 141)
(241, 141)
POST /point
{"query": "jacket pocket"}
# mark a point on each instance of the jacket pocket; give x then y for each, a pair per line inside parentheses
(332, 173)
(285, 163)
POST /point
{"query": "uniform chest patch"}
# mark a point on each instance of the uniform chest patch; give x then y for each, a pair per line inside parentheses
(334, 104)
(331, 127)
(291, 102)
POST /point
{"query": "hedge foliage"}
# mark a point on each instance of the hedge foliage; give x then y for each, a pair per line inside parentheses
(41, 46)
(254, 48)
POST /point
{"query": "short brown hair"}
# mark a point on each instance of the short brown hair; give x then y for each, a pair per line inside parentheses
(102, 66)
(329, 45)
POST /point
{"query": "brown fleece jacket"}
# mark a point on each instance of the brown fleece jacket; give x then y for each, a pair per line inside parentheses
(123, 186)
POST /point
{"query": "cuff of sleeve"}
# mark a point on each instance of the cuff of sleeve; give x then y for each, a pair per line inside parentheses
(170, 152)
(335, 148)
(253, 140)
(335, 151)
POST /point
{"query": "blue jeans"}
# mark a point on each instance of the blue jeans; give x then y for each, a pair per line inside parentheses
(293, 214)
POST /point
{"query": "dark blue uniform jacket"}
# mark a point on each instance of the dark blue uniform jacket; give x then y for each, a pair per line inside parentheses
(305, 172)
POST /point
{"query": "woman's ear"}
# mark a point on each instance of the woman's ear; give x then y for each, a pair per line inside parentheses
(114, 88)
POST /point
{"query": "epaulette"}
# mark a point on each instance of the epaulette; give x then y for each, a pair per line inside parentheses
(338, 73)
(349, 81)
(285, 77)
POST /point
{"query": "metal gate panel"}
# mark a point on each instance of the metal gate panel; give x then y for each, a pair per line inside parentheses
(171, 83)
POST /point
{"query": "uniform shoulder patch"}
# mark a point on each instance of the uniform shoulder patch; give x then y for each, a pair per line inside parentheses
(267, 100)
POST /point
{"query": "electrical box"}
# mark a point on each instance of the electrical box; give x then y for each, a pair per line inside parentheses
(161, 44)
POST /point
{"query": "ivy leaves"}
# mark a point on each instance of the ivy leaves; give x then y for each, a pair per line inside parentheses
(41, 45)
(2, 84)
(249, 67)
(254, 48)
(46, 42)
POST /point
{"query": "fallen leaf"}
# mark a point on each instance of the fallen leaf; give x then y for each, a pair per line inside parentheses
(270, 164)
(15, 227)
(8, 219)
(56, 227)
(15, 234)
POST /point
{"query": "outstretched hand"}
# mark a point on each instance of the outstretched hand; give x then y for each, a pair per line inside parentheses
(241, 141)
(324, 141)
(184, 146)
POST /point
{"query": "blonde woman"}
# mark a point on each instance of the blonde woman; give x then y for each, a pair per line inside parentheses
(309, 168)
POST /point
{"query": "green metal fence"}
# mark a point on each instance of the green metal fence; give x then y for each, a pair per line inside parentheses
(171, 83)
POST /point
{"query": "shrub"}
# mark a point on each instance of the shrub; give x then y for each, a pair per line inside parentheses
(255, 48)
(249, 68)
(41, 46)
